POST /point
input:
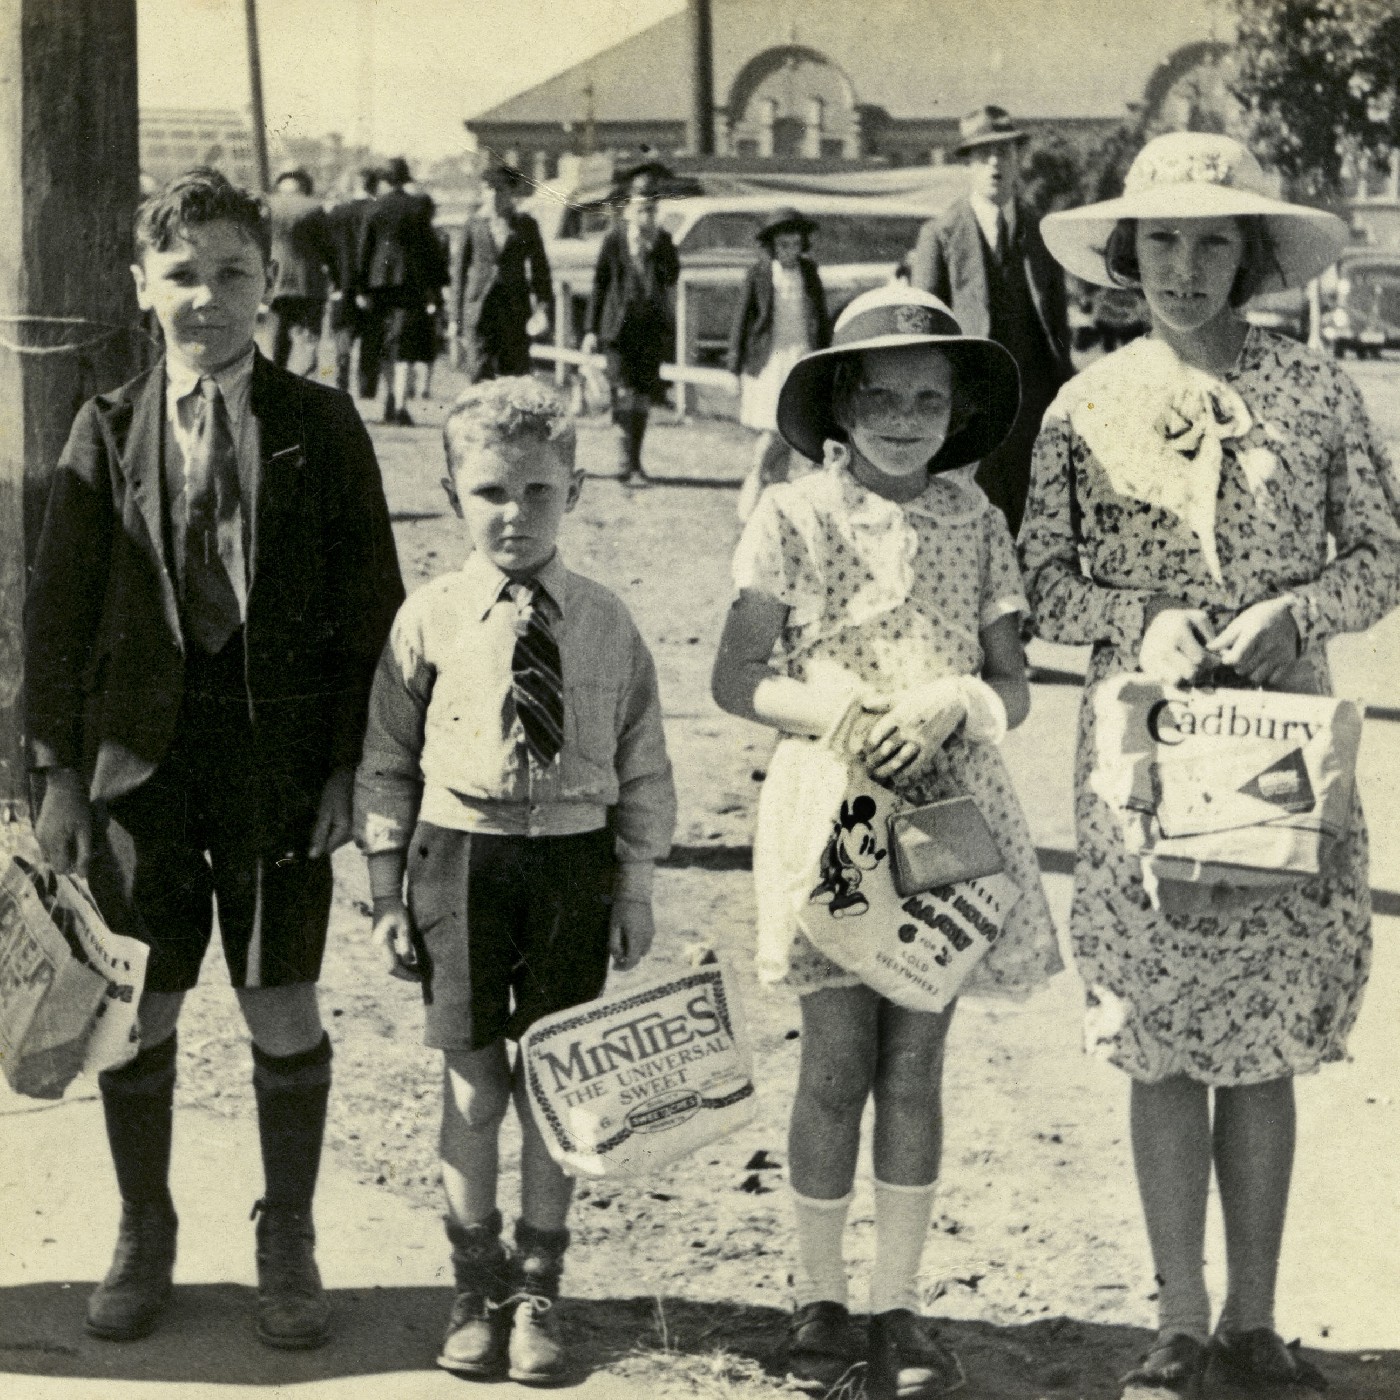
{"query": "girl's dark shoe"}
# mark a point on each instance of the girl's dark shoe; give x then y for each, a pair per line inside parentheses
(1260, 1362)
(475, 1343)
(824, 1346)
(907, 1361)
(1175, 1366)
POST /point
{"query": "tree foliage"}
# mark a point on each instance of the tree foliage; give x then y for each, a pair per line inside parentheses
(1320, 83)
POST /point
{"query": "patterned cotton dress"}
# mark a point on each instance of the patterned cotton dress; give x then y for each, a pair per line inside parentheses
(896, 596)
(1276, 456)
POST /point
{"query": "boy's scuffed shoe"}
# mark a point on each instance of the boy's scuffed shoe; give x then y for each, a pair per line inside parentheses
(475, 1343)
(129, 1301)
(536, 1351)
(293, 1311)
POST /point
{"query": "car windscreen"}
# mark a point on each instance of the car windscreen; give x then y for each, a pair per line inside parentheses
(840, 238)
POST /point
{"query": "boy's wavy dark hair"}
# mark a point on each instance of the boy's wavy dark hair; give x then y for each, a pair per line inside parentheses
(199, 196)
(1259, 265)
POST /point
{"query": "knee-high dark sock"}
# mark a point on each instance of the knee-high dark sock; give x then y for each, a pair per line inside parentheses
(636, 431)
(136, 1102)
(291, 1091)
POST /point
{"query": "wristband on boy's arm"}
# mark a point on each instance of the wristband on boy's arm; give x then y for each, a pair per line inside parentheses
(386, 870)
(634, 880)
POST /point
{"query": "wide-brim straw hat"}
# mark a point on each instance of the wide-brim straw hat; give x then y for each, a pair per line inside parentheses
(899, 316)
(1197, 175)
(786, 220)
(987, 126)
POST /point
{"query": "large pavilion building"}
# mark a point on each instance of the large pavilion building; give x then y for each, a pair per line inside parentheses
(837, 82)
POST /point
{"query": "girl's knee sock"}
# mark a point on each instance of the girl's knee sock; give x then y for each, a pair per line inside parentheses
(821, 1225)
(901, 1225)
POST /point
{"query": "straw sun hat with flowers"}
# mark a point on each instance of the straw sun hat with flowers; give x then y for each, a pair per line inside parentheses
(1198, 175)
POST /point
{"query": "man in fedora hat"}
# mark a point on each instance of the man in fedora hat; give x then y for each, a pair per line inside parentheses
(985, 258)
(503, 279)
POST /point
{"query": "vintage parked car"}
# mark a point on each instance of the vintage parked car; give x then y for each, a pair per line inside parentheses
(1363, 314)
(1106, 316)
(858, 245)
(1284, 311)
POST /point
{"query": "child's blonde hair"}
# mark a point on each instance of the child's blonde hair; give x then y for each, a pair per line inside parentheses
(516, 409)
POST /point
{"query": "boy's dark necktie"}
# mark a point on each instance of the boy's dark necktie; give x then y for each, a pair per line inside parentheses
(537, 684)
(212, 522)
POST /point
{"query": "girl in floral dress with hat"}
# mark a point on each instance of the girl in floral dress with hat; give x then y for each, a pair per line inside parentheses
(890, 576)
(1210, 496)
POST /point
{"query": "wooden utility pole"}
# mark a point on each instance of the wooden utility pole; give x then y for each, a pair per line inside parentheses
(69, 164)
(702, 79)
(255, 94)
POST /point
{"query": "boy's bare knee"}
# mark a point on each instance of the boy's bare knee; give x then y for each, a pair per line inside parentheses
(476, 1087)
(282, 1020)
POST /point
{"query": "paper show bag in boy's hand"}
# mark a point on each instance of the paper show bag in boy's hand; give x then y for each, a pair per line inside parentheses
(69, 987)
(908, 899)
(625, 1084)
(1225, 790)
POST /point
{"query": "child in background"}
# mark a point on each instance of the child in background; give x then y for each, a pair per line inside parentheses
(888, 574)
(514, 705)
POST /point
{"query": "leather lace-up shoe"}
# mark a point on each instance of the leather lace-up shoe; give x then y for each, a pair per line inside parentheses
(129, 1301)
(293, 1311)
(475, 1343)
(1260, 1362)
(1174, 1366)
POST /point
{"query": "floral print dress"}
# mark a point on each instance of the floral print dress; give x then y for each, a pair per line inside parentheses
(896, 596)
(1151, 479)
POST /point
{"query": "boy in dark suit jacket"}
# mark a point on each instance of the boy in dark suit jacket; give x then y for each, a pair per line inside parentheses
(213, 584)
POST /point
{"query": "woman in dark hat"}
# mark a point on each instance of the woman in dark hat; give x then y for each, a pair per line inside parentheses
(781, 316)
(630, 317)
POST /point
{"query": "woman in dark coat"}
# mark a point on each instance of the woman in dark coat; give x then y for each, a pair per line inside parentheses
(781, 316)
(503, 280)
(630, 318)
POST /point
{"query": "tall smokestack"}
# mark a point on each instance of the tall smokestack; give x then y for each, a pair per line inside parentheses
(702, 80)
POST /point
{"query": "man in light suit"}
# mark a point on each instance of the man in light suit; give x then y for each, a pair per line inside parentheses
(985, 258)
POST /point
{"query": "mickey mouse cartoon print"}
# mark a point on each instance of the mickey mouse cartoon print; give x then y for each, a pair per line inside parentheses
(851, 850)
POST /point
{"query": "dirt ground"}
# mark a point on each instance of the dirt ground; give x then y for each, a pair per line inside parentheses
(1037, 1257)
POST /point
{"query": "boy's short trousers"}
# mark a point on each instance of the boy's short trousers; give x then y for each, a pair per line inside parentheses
(507, 929)
(190, 836)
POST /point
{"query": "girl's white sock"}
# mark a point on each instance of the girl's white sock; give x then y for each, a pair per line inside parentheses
(901, 1224)
(821, 1226)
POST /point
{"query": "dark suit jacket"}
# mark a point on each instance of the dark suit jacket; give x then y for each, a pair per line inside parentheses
(104, 648)
(301, 247)
(751, 336)
(949, 260)
(399, 249)
(508, 275)
(345, 224)
(624, 298)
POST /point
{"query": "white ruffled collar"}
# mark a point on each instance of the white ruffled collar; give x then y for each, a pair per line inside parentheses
(1157, 426)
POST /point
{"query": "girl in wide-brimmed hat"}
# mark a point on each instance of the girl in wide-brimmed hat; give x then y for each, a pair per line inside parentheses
(1210, 503)
(781, 315)
(887, 575)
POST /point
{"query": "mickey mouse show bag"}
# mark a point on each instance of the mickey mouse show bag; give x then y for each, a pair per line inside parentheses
(1232, 789)
(625, 1084)
(867, 877)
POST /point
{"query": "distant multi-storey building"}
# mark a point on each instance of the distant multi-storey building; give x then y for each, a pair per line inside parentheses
(174, 139)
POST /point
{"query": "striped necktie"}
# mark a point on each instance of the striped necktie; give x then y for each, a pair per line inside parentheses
(537, 685)
(213, 611)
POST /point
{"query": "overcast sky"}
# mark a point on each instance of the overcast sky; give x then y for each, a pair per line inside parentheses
(435, 62)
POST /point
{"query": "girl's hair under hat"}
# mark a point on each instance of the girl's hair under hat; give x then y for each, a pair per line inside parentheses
(1198, 175)
(986, 383)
